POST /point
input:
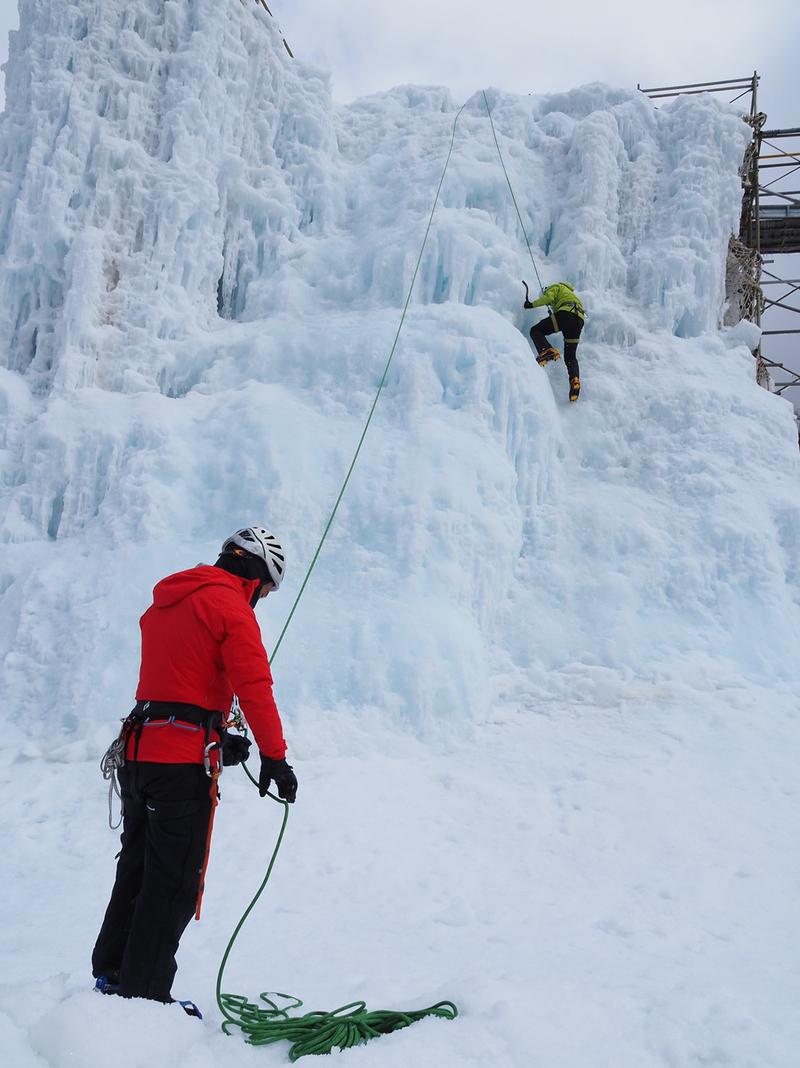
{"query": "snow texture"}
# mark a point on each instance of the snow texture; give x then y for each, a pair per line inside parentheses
(541, 690)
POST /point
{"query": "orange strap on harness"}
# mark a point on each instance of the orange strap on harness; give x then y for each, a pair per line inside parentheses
(213, 774)
(214, 803)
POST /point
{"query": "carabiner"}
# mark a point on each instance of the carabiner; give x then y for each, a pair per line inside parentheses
(207, 759)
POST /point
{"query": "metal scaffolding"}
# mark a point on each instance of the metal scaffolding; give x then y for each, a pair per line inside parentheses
(779, 235)
(769, 225)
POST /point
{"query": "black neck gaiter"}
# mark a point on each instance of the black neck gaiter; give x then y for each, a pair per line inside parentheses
(246, 566)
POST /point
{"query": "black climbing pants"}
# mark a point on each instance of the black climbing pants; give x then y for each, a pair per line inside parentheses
(570, 326)
(166, 811)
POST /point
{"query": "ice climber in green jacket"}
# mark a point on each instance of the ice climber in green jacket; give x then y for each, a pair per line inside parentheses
(567, 315)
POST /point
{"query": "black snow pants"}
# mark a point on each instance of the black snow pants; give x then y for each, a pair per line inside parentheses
(166, 811)
(570, 326)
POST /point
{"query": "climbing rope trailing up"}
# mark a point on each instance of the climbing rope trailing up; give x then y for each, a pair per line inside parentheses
(566, 311)
(351, 1024)
(510, 189)
(377, 393)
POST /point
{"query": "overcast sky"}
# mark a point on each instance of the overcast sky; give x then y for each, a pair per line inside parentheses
(526, 47)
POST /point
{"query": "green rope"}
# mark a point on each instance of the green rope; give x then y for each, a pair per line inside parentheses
(352, 1024)
(223, 999)
(377, 394)
(320, 1032)
(511, 191)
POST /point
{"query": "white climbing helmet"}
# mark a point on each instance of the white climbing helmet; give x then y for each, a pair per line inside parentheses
(259, 542)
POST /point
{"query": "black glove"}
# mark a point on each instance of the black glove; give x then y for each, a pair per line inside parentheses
(527, 304)
(235, 749)
(281, 772)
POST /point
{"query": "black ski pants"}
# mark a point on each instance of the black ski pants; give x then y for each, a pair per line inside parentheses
(166, 811)
(570, 326)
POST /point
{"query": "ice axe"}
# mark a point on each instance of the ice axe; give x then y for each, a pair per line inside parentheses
(527, 294)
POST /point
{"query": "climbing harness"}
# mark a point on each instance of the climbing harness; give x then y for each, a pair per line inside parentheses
(155, 714)
(163, 714)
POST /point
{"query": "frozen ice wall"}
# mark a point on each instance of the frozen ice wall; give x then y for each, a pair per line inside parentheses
(203, 265)
(153, 167)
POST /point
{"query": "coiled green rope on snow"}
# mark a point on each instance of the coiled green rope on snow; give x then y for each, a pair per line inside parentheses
(313, 1032)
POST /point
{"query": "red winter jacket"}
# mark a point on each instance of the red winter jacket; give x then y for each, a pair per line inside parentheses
(200, 645)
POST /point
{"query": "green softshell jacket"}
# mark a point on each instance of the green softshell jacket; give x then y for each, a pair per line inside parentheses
(560, 297)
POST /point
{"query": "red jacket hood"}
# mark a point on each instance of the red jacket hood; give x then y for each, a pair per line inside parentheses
(174, 588)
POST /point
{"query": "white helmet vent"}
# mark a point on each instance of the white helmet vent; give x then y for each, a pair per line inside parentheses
(260, 542)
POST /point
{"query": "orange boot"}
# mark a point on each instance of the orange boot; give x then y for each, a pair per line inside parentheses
(547, 356)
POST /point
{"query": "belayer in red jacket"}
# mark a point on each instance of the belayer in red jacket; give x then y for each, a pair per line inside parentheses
(200, 646)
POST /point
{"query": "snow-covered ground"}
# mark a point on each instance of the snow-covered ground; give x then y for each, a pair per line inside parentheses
(592, 884)
(540, 692)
